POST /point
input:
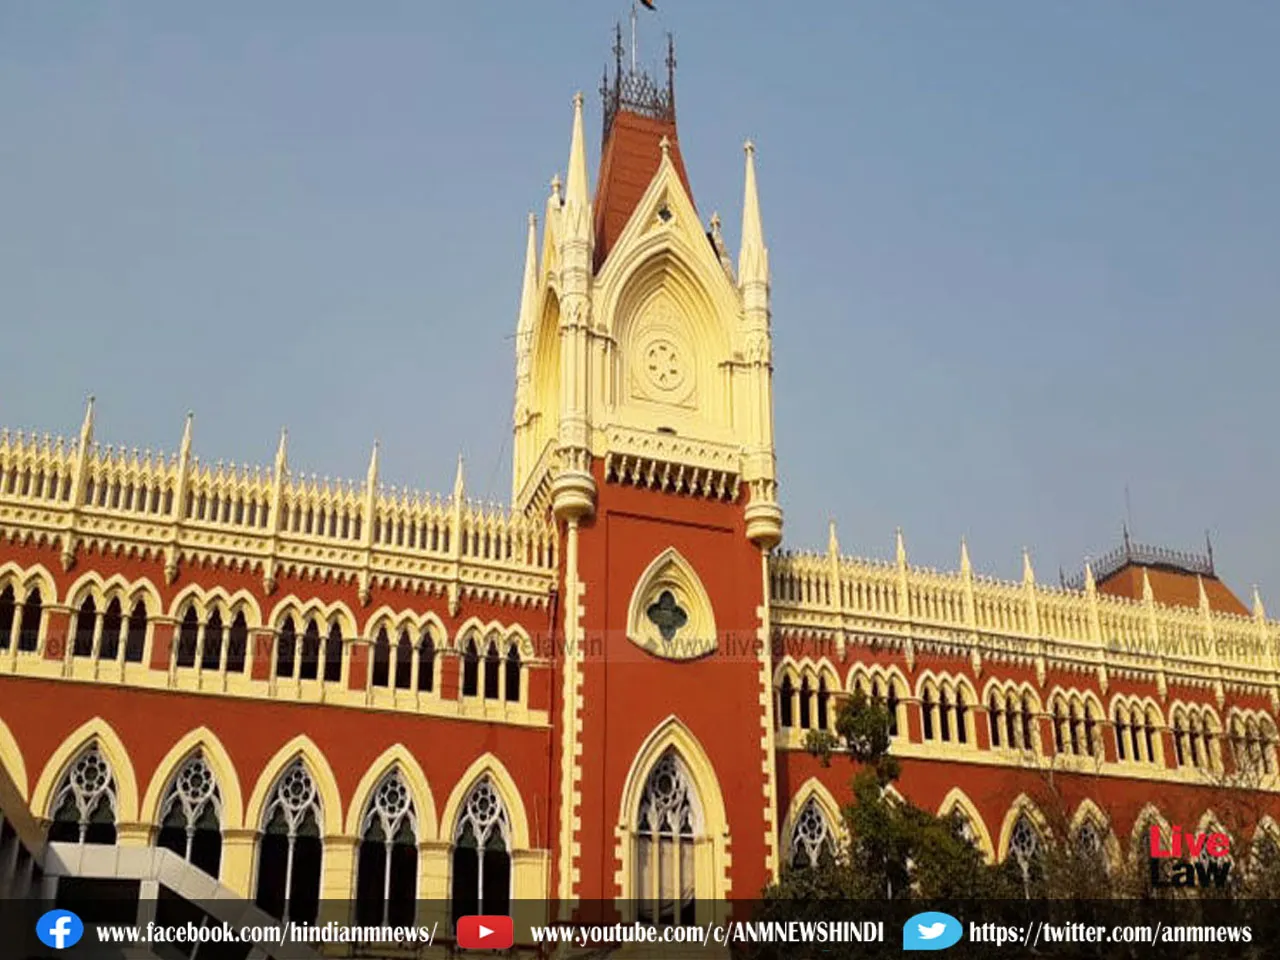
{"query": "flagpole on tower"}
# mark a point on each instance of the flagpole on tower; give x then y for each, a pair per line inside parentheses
(633, 36)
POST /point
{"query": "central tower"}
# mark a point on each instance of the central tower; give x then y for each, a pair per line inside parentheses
(644, 423)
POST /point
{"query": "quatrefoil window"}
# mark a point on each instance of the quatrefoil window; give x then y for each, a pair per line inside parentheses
(664, 213)
(667, 615)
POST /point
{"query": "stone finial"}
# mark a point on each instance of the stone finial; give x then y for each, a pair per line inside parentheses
(665, 145)
(900, 548)
(1028, 574)
(966, 568)
(833, 545)
(1259, 611)
(86, 428)
(184, 450)
(459, 482)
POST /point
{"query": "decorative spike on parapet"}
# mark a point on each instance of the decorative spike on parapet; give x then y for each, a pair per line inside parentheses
(1090, 585)
(577, 193)
(753, 256)
(1148, 595)
(371, 478)
(966, 568)
(1259, 611)
(1028, 574)
(459, 482)
(86, 428)
(184, 449)
(282, 452)
(900, 549)
(1204, 596)
(833, 545)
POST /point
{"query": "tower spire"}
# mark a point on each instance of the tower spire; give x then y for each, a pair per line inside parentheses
(576, 188)
(753, 258)
(529, 289)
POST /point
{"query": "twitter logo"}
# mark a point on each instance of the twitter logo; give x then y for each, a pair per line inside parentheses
(931, 931)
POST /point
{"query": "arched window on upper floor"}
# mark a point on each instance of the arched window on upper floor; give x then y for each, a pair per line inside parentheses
(667, 829)
(84, 806)
(812, 840)
(786, 693)
(492, 671)
(387, 859)
(191, 816)
(995, 717)
(482, 854)
(135, 643)
(290, 848)
(511, 680)
(404, 662)
(806, 708)
(8, 616)
(1253, 744)
(86, 624)
(381, 675)
(426, 662)
(309, 665)
(470, 668)
(29, 627)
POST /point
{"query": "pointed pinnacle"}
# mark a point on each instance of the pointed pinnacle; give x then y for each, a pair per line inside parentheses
(529, 289)
(900, 548)
(1028, 574)
(282, 450)
(752, 256)
(1204, 596)
(86, 428)
(965, 566)
(576, 189)
(458, 481)
(833, 545)
(185, 449)
(1148, 595)
(372, 475)
(1259, 611)
(1090, 585)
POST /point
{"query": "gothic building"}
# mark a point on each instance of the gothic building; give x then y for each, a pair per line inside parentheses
(326, 696)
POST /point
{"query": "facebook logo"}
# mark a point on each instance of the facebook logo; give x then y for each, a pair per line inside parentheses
(59, 929)
(931, 931)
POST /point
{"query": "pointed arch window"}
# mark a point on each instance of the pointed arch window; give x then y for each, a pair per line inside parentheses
(237, 644)
(86, 621)
(512, 680)
(112, 621)
(333, 649)
(135, 643)
(492, 671)
(290, 849)
(211, 652)
(785, 694)
(944, 714)
(381, 660)
(29, 629)
(84, 808)
(188, 638)
(387, 859)
(1025, 848)
(806, 693)
(470, 669)
(482, 855)
(824, 700)
(404, 661)
(926, 714)
(309, 667)
(811, 838)
(667, 827)
(426, 663)
(286, 649)
(8, 614)
(891, 704)
(995, 714)
(1121, 728)
(191, 816)
(1089, 848)
(962, 825)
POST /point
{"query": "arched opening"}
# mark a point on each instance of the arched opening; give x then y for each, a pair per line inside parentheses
(309, 667)
(211, 652)
(112, 621)
(404, 662)
(785, 696)
(668, 825)
(290, 848)
(84, 807)
(29, 629)
(237, 644)
(512, 684)
(426, 663)
(8, 614)
(1026, 850)
(188, 638)
(86, 619)
(812, 842)
(482, 854)
(191, 816)
(470, 669)
(387, 859)
(492, 671)
(381, 660)
(136, 642)
(286, 645)
(333, 647)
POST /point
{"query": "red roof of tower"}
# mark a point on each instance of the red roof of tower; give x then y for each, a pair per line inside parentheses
(1171, 573)
(637, 115)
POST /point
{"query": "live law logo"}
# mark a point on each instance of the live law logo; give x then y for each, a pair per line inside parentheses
(1190, 859)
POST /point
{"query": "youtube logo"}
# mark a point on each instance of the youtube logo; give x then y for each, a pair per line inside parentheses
(486, 933)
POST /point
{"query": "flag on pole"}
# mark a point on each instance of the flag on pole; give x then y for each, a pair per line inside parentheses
(649, 4)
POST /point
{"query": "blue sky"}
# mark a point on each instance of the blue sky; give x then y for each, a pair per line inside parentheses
(1023, 254)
